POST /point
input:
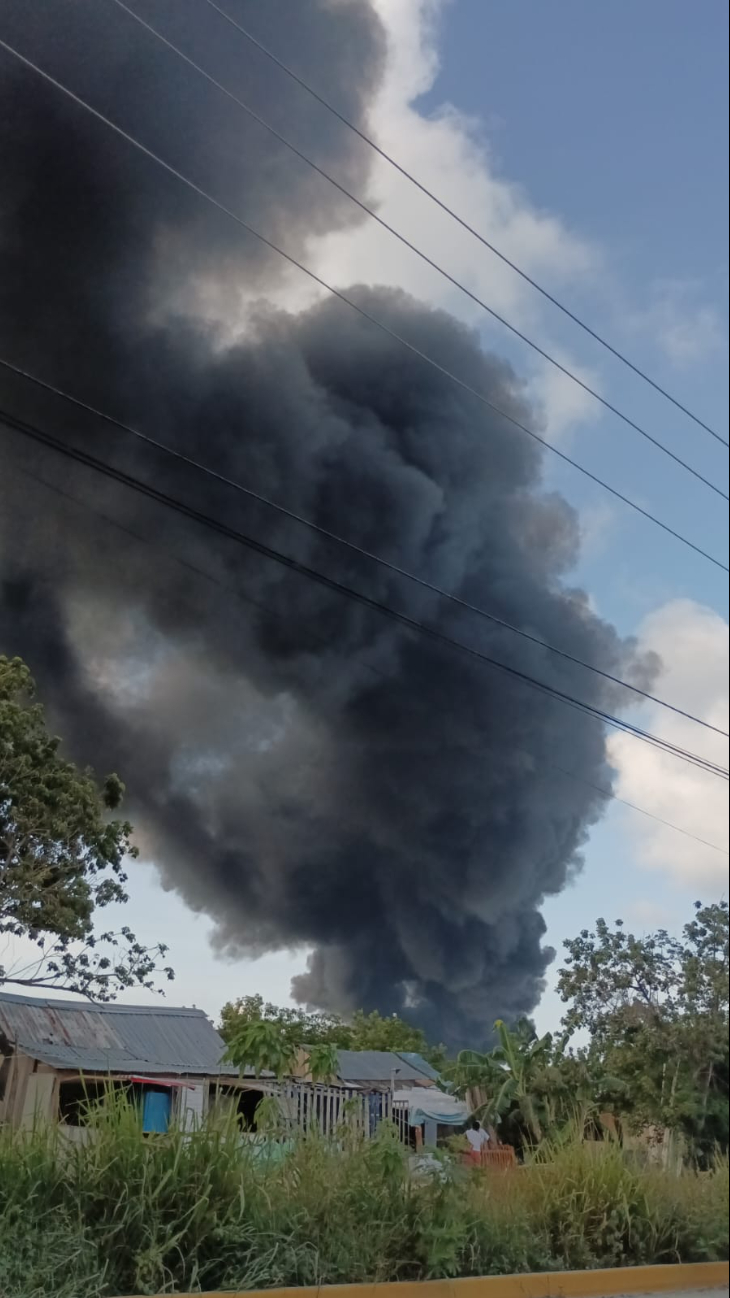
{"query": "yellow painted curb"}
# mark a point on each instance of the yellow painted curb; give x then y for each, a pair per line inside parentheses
(545, 1284)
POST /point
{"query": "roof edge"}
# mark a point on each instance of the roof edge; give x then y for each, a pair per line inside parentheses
(100, 1007)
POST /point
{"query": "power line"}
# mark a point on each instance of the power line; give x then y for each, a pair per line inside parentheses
(391, 333)
(642, 810)
(563, 369)
(463, 223)
(295, 565)
(249, 599)
(349, 545)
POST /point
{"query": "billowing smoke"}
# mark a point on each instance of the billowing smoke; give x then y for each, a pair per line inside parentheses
(300, 768)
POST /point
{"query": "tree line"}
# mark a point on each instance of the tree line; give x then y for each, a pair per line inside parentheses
(643, 1041)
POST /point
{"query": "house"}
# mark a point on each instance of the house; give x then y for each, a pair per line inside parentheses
(55, 1055)
(409, 1086)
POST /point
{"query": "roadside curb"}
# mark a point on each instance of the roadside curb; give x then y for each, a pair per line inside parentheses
(544, 1284)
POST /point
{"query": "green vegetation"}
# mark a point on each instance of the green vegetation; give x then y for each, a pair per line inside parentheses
(513, 1082)
(262, 1044)
(654, 1010)
(285, 1030)
(118, 1213)
(61, 857)
(121, 1214)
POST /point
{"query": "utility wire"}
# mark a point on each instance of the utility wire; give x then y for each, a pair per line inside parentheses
(572, 775)
(391, 333)
(463, 223)
(440, 637)
(249, 599)
(349, 545)
(261, 121)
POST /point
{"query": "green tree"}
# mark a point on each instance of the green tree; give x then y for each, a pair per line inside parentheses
(274, 1045)
(295, 1025)
(322, 1062)
(372, 1031)
(656, 1010)
(263, 1045)
(513, 1083)
(61, 858)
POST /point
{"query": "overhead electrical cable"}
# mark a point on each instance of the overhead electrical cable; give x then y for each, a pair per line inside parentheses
(572, 775)
(335, 537)
(366, 315)
(399, 167)
(563, 369)
(256, 603)
(83, 457)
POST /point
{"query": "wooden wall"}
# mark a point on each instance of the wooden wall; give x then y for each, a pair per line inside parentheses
(31, 1093)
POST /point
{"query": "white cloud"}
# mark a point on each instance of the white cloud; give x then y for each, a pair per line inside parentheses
(563, 404)
(647, 914)
(693, 643)
(683, 326)
(449, 153)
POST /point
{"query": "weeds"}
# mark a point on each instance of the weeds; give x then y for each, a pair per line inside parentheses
(123, 1214)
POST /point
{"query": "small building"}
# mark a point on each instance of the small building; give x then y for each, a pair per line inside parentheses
(55, 1055)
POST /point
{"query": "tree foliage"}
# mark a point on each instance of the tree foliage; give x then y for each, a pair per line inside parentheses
(256, 1030)
(656, 1009)
(653, 1015)
(513, 1086)
(61, 858)
(263, 1045)
(267, 1046)
(295, 1025)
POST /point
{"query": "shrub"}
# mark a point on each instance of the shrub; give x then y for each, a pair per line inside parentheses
(124, 1214)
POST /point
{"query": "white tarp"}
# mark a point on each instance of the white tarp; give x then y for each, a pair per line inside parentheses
(427, 1104)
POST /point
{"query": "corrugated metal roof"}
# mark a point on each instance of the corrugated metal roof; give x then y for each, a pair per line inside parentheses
(417, 1061)
(160, 1040)
(113, 1038)
(381, 1065)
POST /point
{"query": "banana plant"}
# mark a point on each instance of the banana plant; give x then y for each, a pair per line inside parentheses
(269, 1047)
(262, 1045)
(322, 1061)
(515, 1075)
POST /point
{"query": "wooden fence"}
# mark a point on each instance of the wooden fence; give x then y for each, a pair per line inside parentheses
(330, 1109)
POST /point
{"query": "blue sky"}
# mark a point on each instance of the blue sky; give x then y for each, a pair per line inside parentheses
(615, 117)
(590, 142)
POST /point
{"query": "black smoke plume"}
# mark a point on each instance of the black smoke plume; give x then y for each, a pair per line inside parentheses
(299, 768)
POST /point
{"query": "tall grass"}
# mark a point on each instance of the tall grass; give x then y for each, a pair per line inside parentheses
(122, 1214)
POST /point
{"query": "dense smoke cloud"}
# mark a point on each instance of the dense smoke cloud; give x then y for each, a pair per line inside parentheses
(299, 768)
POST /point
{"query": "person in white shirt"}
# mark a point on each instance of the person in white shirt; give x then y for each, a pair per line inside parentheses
(478, 1139)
